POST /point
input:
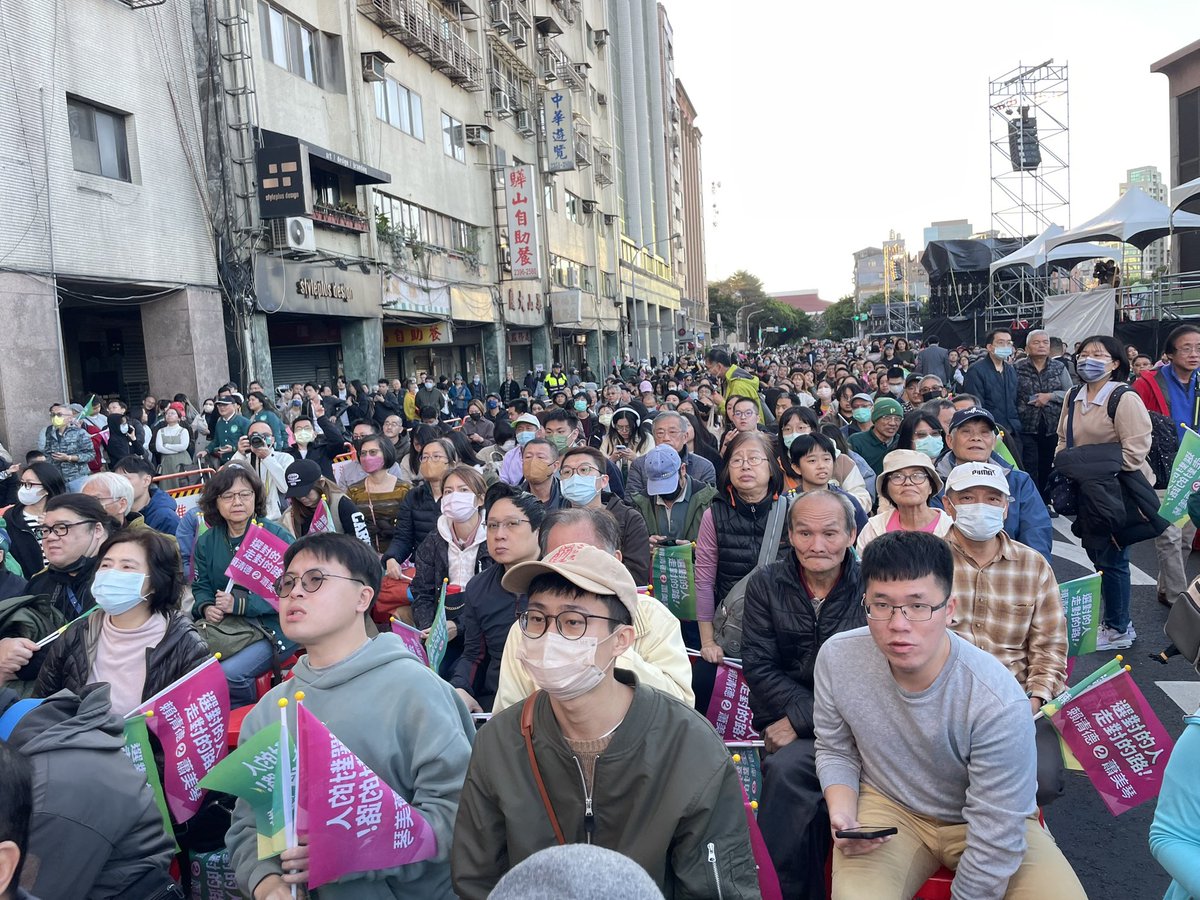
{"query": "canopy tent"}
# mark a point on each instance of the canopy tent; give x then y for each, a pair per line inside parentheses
(1136, 218)
(1066, 256)
(1186, 196)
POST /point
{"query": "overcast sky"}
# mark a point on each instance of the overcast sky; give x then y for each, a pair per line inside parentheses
(828, 124)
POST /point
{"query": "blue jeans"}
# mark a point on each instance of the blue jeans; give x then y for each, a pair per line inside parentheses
(75, 485)
(1113, 565)
(242, 668)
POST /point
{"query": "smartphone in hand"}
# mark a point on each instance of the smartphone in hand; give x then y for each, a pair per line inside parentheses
(865, 833)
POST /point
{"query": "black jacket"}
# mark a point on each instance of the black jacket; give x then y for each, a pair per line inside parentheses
(416, 517)
(740, 527)
(432, 562)
(12, 585)
(68, 664)
(71, 592)
(488, 615)
(330, 445)
(25, 547)
(635, 539)
(96, 829)
(782, 633)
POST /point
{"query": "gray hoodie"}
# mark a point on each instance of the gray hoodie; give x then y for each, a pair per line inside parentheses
(405, 723)
(96, 829)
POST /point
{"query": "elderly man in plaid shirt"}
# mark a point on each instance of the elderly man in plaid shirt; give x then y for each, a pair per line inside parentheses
(1008, 602)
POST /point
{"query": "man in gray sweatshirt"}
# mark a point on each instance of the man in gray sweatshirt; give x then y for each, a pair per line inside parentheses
(921, 731)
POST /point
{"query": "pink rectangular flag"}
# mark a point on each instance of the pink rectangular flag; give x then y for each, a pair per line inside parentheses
(729, 708)
(322, 521)
(190, 719)
(258, 563)
(1118, 740)
(412, 639)
(354, 822)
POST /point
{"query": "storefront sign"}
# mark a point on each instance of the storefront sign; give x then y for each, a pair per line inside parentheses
(472, 303)
(524, 240)
(335, 290)
(518, 338)
(284, 186)
(293, 286)
(560, 132)
(417, 335)
(567, 307)
(406, 295)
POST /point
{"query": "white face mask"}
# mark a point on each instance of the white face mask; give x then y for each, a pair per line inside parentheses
(563, 669)
(459, 506)
(979, 521)
(30, 496)
(117, 592)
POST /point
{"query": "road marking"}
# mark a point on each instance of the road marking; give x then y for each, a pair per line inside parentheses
(1185, 694)
(1074, 552)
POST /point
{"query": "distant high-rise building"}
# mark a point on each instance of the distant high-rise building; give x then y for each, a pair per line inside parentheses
(949, 230)
(1144, 264)
(868, 273)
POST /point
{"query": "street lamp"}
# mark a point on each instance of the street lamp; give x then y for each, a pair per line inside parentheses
(633, 293)
(757, 312)
(748, 310)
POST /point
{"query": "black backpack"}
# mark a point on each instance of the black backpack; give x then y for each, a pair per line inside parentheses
(1164, 445)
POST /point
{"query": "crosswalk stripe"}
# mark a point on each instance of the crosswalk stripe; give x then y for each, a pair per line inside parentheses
(1069, 548)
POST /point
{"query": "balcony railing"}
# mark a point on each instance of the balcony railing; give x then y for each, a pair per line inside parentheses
(439, 42)
(340, 219)
(604, 168)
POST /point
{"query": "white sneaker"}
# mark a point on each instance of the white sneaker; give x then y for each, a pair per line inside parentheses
(1111, 639)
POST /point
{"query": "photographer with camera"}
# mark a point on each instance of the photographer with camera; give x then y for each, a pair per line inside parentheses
(256, 451)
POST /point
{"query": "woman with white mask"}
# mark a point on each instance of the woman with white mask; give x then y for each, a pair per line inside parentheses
(36, 484)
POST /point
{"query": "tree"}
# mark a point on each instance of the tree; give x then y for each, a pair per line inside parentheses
(726, 297)
(837, 319)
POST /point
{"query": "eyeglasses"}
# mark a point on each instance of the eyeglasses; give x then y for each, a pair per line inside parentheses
(1190, 349)
(29, 485)
(230, 496)
(914, 612)
(441, 457)
(908, 477)
(506, 526)
(58, 529)
(745, 413)
(747, 462)
(571, 625)
(311, 581)
(582, 470)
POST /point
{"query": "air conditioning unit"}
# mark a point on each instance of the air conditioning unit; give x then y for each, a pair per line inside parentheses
(373, 65)
(610, 218)
(572, 278)
(501, 104)
(519, 37)
(293, 234)
(478, 135)
(548, 70)
(501, 16)
(599, 38)
(525, 123)
(602, 99)
(589, 206)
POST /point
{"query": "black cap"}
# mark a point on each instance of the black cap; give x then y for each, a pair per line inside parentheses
(301, 476)
(972, 412)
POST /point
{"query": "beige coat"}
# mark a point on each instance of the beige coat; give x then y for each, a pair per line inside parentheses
(1130, 428)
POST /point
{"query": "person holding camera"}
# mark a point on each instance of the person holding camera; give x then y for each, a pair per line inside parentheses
(256, 451)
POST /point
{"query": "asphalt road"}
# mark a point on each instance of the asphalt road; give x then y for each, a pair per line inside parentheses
(1110, 854)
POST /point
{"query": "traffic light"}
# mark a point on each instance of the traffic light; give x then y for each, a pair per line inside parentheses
(783, 328)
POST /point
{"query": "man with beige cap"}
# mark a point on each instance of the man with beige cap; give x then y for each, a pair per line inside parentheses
(595, 757)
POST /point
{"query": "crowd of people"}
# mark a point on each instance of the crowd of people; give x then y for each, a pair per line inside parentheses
(870, 530)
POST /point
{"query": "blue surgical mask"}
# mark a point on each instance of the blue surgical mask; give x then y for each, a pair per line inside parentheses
(789, 439)
(580, 489)
(1091, 369)
(580, 405)
(931, 445)
(1004, 352)
(524, 437)
(117, 592)
(862, 414)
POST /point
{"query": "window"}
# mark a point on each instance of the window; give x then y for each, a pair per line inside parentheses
(288, 42)
(571, 207)
(1188, 129)
(551, 198)
(426, 225)
(98, 143)
(327, 188)
(454, 142)
(399, 107)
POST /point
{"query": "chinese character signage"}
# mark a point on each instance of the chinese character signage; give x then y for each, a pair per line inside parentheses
(258, 563)
(1118, 740)
(417, 335)
(729, 709)
(520, 203)
(524, 302)
(673, 572)
(560, 132)
(1081, 605)
(1184, 481)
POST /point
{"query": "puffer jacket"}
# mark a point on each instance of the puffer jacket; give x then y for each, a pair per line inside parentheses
(415, 519)
(25, 547)
(68, 664)
(665, 794)
(432, 562)
(488, 613)
(739, 527)
(782, 634)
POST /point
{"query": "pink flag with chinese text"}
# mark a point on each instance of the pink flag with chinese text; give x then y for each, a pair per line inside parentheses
(322, 521)
(412, 639)
(1118, 740)
(354, 822)
(258, 563)
(729, 708)
(190, 719)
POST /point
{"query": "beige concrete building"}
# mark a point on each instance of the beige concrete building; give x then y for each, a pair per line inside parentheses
(689, 195)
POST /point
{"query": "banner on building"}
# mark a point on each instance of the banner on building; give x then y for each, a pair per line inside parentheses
(521, 188)
(417, 335)
(1081, 605)
(672, 568)
(560, 131)
(1184, 481)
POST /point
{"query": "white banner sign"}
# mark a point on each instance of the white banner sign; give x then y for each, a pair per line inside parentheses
(560, 132)
(520, 202)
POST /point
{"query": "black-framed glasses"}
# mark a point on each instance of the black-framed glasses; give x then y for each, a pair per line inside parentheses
(571, 625)
(58, 529)
(310, 580)
(914, 612)
(908, 477)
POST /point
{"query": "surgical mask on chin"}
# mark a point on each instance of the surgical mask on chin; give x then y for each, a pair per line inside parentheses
(117, 592)
(979, 521)
(931, 445)
(459, 506)
(563, 669)
(580, 489)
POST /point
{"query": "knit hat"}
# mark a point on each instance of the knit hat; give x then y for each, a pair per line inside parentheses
(576, 872)
(179, 408)
(886, 406)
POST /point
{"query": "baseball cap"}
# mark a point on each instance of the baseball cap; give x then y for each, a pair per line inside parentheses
(866, 397)
(972, 412)
(662, 470)
(527, 419)
(645, 388)
(585, 566)
(978, 474)
(301, 476)
(886, 406)
(224, 401)
(911, 379)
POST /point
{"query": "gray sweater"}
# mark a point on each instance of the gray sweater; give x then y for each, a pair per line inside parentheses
(962, 750)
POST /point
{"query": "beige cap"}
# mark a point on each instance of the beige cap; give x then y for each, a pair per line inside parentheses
(585, 566)
(907, 459)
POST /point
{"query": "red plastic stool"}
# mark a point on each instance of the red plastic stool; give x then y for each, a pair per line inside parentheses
(937, 887)
(234, 729)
